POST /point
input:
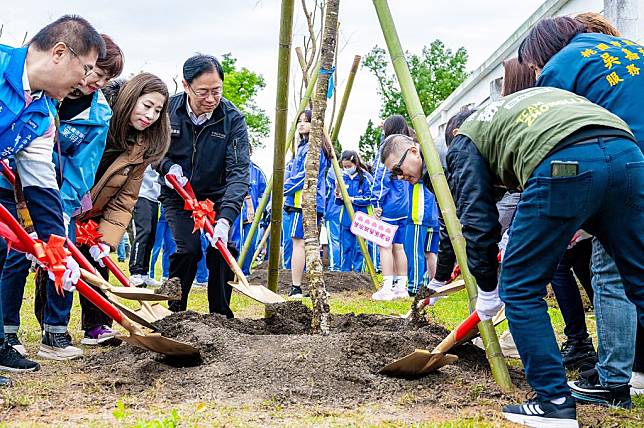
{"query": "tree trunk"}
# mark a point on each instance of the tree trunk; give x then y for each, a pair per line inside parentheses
(319, 296)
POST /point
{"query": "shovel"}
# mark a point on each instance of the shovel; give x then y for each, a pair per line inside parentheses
(255, 292)
(149, 312)
(421, 362)
(150, 341)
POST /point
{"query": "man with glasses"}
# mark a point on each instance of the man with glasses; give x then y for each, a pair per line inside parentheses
(55, 61)
(209, 148)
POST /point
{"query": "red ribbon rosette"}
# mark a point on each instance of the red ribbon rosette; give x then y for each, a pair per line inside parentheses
(87, 233)
(52, 255)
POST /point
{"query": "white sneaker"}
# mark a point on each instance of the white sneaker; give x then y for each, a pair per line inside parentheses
(399, 290)
(137, 280)
(385, 293)
(151, 282)
(637, 383)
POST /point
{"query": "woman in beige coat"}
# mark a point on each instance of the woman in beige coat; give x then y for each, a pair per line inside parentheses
(139, 136)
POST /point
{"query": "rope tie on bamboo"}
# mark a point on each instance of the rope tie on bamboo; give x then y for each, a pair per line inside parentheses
(331, 72)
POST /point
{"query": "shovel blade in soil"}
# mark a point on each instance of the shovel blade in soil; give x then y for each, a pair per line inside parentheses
(257, 292)
(138, 294)
(419, 363)
(162, 345)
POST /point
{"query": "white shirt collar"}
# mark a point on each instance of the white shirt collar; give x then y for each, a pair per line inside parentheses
(197, 120)
(25, 85)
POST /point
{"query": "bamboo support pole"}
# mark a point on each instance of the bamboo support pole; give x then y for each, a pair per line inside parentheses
(263, 202)
(443, 195)
(281, 117)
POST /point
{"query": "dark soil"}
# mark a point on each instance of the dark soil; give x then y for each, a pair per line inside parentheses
(334, 281)
(170, 288)
(277, 359)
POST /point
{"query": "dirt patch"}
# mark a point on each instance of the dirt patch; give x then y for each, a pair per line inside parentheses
(170, 288)
(276, 359)
(335, 281)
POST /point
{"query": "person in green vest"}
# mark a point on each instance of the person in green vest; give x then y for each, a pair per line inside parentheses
(579, 167)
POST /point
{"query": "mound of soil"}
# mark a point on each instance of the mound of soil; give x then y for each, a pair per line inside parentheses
(277, 359)
(335, 281)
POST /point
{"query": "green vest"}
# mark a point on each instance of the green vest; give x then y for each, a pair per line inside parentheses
(517, 132)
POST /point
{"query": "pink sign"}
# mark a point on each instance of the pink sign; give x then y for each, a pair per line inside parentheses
(373, 230)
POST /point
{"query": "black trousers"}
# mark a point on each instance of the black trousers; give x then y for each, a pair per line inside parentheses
(144, 229)
(183, 263)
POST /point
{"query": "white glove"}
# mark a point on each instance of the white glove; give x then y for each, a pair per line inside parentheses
(177, 172)
(34, 261)
(222, 227)
(434, 284)
(71, 275)
(98, 252)
(66, 221)
(488, 304)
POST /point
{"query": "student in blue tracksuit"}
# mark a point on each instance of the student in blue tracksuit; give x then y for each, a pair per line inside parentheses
(31, 78)
(293, 186)
(286, 242)
(391, 200)
(255, 191)
(359, 183)
(163, 241)
(332, 223)
(421, 236)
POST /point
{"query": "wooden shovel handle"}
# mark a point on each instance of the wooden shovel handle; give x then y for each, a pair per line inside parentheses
(458, 333)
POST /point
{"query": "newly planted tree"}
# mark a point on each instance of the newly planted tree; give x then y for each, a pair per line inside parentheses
(319, 295)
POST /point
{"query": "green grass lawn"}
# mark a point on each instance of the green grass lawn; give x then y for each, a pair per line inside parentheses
(16, 403)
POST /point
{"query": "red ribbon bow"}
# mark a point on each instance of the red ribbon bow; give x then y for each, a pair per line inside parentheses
(201, 210)
(53, 254)
(87, 233)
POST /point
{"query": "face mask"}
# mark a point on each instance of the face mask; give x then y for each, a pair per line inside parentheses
(350, 171)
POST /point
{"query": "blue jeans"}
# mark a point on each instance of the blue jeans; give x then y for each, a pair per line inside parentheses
(616, 319)
(121, 252)
(12, 288)
(606, 199)
(202, 269)
(163, 240)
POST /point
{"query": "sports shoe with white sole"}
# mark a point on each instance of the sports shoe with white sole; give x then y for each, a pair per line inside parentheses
(12, 339)
(385, 294)
(588, 390)
(637, 384)
(12, 361)
(137, 280)
(56, 346)
(150, 282)
(100, 335)
(399, 290)
(543, 414)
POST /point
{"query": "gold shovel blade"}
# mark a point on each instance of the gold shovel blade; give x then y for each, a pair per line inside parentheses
(156, 343)
(257, 292)
(437, 361)
(139, 316)
(419, 363)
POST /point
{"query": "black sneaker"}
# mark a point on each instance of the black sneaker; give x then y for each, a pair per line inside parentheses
(12, 340)
(296, 292)
(579, 355)
(12, 361)
(536, 413)
(588, 390)
(57, 346)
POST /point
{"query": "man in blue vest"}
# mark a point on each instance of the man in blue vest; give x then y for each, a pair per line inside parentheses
(54, 63)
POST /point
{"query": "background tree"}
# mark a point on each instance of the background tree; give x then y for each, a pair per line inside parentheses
(240, 87)
(436, 72)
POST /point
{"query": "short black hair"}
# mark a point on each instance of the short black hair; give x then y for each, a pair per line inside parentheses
(73, 30)
(394, 144)
(199, 64)
(455, 122)
(547, 37)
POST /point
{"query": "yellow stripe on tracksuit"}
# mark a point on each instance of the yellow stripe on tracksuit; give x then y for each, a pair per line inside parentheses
(297, 199)
(418, 204)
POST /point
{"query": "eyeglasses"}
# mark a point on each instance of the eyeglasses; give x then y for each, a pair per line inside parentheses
(86, 67)
(396, 171)
(205, 93)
